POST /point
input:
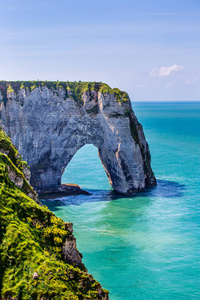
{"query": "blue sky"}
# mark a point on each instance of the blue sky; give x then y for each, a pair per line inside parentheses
(149, 48)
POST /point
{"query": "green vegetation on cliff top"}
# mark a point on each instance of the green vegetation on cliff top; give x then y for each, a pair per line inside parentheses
(73, 90)
(31, 240)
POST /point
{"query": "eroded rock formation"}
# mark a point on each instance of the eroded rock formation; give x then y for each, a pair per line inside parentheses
(50, 123)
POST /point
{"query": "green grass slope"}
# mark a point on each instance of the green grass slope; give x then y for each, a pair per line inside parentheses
(31, 241)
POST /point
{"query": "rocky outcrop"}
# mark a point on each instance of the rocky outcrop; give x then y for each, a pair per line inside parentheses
(63, 190)
(50, 122)
(70, 253)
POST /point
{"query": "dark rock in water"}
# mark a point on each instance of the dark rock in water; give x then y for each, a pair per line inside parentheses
(50, 121)
(62, 191)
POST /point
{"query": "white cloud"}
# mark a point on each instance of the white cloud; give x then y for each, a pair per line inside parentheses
(165, 71)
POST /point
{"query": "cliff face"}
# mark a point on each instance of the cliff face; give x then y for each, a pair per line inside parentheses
(50, 122)
(38, 254)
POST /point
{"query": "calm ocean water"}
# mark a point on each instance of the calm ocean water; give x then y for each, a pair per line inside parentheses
(147, 246)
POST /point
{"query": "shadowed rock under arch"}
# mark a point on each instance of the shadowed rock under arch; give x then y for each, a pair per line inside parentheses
(50, 122)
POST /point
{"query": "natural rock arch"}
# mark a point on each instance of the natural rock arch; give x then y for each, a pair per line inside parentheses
(85, 169)
(49, 125)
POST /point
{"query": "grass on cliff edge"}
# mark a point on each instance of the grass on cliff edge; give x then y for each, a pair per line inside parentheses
(31, 239)
(73, 90)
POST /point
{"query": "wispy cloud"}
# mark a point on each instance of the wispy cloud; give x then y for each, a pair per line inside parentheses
(190, 81)
(165, 71)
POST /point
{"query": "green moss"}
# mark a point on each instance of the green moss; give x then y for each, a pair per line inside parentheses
(22, 86)
(133, 127)
(73, 90)
(104, 89)
(34, 86)
(94, 110)
(31, 240)
(121, 95)
(10, 89)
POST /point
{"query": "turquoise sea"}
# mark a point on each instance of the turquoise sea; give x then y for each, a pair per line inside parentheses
(147, 246)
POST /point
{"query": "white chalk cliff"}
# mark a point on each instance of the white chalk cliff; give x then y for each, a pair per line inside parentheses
(48, 125)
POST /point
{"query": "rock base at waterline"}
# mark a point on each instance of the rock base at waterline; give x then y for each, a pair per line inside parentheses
(66, 189)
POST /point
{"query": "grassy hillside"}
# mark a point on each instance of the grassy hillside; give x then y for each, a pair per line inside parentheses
(31, 242)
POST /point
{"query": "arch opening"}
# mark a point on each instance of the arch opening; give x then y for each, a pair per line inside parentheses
(86, 170)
